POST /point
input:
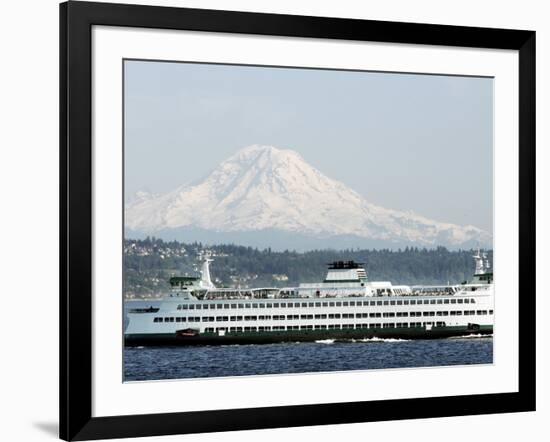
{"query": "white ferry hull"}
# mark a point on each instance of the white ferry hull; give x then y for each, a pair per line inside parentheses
(344, 306)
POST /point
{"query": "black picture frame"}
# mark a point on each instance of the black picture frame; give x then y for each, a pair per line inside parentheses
(76, 21)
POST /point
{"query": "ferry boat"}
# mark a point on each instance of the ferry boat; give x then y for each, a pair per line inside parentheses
(344, 306)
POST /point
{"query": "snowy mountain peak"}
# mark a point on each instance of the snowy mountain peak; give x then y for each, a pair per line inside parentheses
(265, 188)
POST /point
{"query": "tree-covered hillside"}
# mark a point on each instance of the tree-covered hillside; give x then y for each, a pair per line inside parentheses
(149, 263)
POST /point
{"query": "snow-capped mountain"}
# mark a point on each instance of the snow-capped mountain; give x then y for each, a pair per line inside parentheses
(266, 189)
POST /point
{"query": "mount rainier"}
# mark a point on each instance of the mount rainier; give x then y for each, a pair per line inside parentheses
(264, 196)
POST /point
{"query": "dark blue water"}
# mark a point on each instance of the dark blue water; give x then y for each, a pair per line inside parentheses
(148, 363)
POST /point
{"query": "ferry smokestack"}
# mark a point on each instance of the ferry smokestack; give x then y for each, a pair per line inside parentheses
(206, 282)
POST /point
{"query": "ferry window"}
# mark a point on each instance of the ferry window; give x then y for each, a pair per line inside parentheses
(198, 307)
(276, 305)
(283, 305)
(446, 301)
(440, 301)
(454, 313)
(385, 302)
(325, 304)
(247, 305)
(304, 304)
(378, 302)
(490, 312)
(233, 305)
(460, 301)
(317, 304)
(331, 304)
(254, 305)
(269, 305)
(466, 301)
(413, 301)
(399, 302)
(262, 305)
(184, 306)
(338, 304)
(432, 301)
(232, 318)
(240, 306)
(226, 306)
(453, 301)
(472, 301)
(191, 307)
(212, 306)
(289, 305)
(178, 319)
(157, 320)
(345, 304)
(352, 303)
(392, 302)
(426, 301)
(179, 307)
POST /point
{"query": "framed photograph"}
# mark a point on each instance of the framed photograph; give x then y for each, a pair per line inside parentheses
(273, 220)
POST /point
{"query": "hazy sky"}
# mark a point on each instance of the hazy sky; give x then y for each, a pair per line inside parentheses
(407, 142)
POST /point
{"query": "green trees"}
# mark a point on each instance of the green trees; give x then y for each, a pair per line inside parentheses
(151, 262)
